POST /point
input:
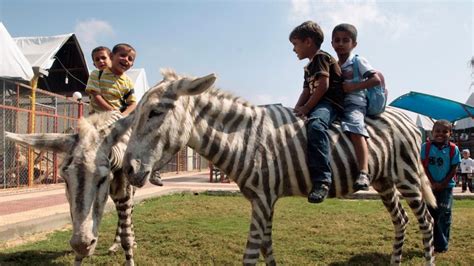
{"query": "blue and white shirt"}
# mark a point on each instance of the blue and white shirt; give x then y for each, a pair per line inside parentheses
(365, 70)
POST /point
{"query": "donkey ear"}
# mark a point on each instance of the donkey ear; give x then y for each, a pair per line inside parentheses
(198, 85)
(55, 142)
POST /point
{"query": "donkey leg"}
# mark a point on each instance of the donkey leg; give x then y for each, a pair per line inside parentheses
(127, 236)
(399, 217)
(122, 193)
(261, 218)
(413, 195)
(116, 245)
(267, 245)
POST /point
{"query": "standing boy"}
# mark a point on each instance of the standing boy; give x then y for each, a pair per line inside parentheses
(467, 166)
(320, 102)
(440, 160)
(358, 75)
(111, 89)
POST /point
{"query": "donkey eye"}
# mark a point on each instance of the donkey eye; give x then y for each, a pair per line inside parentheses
(154, 113)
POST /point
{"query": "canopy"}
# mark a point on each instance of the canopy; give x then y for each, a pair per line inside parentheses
(424, 122)
(13, 64)
(138, 76)
(433, 106)
(61, 56)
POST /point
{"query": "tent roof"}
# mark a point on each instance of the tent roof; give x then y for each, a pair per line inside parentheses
(433, 106)
(40, 51)
(61, 56)
(13, 63)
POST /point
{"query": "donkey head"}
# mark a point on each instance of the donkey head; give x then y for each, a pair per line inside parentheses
(162, 124)
(85, 169)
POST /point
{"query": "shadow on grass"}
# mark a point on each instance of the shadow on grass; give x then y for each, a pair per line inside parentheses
(30, 257)
(376, 258)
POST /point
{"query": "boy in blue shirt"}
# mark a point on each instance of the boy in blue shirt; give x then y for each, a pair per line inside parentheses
(440, 160)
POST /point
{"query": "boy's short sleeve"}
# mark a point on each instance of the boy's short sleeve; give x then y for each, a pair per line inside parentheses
(457, 157)
(365, 69)
(320, 65)
(93, 83)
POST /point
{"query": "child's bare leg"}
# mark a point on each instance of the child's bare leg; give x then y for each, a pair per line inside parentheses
(360, 146)
(362, 154)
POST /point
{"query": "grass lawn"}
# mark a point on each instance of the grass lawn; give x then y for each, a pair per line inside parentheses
(201, 229)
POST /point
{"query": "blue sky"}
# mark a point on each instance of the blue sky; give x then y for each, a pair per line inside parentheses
(422, 46)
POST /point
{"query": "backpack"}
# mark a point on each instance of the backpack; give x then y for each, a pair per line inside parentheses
(123, 100)
(376, 96)
(452, 148)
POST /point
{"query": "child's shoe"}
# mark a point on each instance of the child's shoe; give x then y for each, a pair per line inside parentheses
(362, 182)
(155, 179)
(318, 194)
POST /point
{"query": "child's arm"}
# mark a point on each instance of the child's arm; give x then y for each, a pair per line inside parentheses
(372, 81)
(102, 102)
(304, 96)
(321, 89)
(129, 109)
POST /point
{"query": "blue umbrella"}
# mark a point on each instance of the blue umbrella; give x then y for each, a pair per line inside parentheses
(433, 106)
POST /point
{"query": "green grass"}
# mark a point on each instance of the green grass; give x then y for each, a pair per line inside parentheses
(212, 230)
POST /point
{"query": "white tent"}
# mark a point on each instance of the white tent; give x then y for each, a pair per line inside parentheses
(424, 122)
(41, 51)
(138, 76)
(59, 58)
(466, 122)
(13, 64)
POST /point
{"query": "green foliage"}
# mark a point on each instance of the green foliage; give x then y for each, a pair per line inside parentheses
(200, 229)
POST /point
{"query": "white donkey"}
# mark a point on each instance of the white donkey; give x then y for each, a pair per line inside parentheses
(263, 149)
(92, 171)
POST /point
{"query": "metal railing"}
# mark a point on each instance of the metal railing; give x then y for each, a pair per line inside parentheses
(21, 166)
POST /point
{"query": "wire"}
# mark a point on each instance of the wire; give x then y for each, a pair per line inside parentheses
(80, 81)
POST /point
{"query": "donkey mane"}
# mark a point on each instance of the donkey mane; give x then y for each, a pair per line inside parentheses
(97, 121)
(170, 74)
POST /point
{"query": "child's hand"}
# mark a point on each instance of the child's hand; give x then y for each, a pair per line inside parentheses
(301, 111)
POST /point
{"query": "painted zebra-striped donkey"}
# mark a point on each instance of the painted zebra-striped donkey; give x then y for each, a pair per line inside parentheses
(264, 151)
(92, 170)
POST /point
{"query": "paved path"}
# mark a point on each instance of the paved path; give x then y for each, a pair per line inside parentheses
(42, 209)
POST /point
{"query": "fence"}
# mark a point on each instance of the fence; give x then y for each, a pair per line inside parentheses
(52, 113)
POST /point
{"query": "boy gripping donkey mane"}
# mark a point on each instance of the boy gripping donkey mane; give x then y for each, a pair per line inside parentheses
(356, 80)
(110, 88)
(440, 160)
(321, 101)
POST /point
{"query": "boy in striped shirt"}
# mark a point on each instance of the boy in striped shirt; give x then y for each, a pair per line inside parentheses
(111, 89)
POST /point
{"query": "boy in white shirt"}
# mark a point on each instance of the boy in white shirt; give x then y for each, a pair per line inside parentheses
(467, 167)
